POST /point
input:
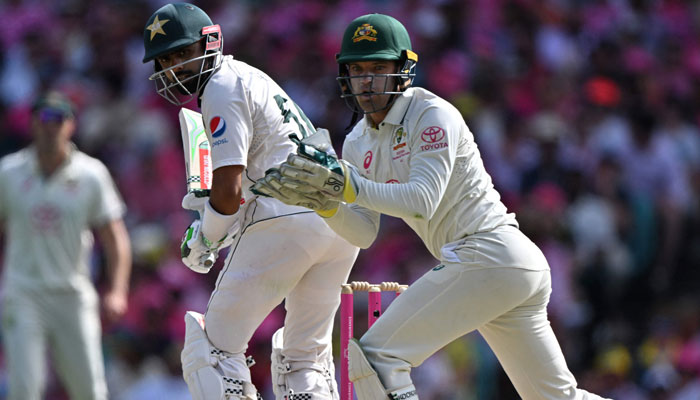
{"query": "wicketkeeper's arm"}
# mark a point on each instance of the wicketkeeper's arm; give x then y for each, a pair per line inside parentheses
(356, 224)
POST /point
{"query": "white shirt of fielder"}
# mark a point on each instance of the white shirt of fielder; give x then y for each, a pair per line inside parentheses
(48, 220)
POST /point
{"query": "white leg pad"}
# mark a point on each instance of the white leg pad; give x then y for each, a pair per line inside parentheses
(317, 378)
(279, 387)
(199, 360)
(205, 384)
(366, 381)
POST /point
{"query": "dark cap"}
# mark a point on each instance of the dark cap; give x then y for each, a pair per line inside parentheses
(54, 101)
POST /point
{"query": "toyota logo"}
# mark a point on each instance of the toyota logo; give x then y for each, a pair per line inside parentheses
(432, 134)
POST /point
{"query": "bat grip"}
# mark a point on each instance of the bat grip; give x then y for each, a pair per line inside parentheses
(199, 193)
(211, 258)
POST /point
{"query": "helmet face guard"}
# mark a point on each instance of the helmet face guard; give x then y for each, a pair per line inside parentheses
(375, 37)
(394, 85)
(166, 81)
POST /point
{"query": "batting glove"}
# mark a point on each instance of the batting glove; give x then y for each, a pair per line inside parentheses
(294, 193)
(195, 201)
(198, 253)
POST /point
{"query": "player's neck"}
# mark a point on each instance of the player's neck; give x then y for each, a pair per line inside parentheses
(376, 118)
(51, 158)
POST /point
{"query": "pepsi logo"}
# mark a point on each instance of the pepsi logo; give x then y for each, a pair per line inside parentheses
(432, 134)
(368, 159)
(217, 125)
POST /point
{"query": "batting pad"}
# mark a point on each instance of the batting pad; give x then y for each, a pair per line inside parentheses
(362, 375)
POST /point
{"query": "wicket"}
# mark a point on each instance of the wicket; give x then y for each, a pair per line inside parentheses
(374, 310)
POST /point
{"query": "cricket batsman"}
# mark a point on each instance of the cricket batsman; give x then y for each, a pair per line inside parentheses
(278, 252)
(412, 156)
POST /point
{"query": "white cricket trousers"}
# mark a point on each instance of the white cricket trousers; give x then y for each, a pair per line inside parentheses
(65, 322)
(296, 258)
(501, 288)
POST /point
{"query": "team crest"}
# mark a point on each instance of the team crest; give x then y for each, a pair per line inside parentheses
(399, 137)
(157, 27)
(399, 149)
(365, 32)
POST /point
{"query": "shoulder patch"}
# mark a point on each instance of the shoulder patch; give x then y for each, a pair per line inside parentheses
(432, 134)
(433, 137)
(217, 126)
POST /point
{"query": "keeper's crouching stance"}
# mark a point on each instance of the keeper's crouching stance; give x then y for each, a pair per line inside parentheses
(412, 156)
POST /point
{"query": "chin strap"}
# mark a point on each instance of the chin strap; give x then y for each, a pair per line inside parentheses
(353, 121)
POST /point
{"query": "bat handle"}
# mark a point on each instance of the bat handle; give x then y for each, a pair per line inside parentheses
(210, 259)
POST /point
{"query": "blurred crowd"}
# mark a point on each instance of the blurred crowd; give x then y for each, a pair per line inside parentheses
(586, 114)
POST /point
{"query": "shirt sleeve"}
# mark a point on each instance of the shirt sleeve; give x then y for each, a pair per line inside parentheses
(433, 144)
(228, 121)
(356, 224)
(109, 205)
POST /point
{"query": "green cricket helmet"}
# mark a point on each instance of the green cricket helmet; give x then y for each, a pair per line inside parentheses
(172, 28)
(376, 37)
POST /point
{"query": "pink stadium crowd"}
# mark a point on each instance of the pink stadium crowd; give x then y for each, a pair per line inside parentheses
(586, 114)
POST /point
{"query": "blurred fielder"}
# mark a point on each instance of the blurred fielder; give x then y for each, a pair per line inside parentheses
(278, 252)
(413, 157)
(53, 195)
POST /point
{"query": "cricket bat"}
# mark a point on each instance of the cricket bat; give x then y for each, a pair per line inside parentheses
(197, 158)
(197, 149)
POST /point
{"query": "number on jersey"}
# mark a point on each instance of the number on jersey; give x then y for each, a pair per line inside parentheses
(306, 128)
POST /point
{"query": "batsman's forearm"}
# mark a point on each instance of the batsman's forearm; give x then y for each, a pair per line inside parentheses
(226, 189)
(356, 224)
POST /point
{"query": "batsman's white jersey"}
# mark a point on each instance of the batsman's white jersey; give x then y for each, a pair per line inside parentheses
(283, 252)
(422, 165)
(47, 291)
(248, 119)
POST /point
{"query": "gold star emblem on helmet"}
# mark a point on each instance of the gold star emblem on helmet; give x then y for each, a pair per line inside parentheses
(157, 27)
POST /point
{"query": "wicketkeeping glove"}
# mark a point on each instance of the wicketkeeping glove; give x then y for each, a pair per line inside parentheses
(314, 166)
(198, 253)
(294, 194)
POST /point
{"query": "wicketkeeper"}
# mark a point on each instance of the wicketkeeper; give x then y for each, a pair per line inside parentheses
(412, 156)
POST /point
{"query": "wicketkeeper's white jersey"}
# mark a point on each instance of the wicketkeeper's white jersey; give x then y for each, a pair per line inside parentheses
(248, 119)
(440, 186)
(48, 221)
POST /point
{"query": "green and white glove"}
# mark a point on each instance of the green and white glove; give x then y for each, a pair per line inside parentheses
(294, 194)
(198, 253)
(314, 166)
(195, 201)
